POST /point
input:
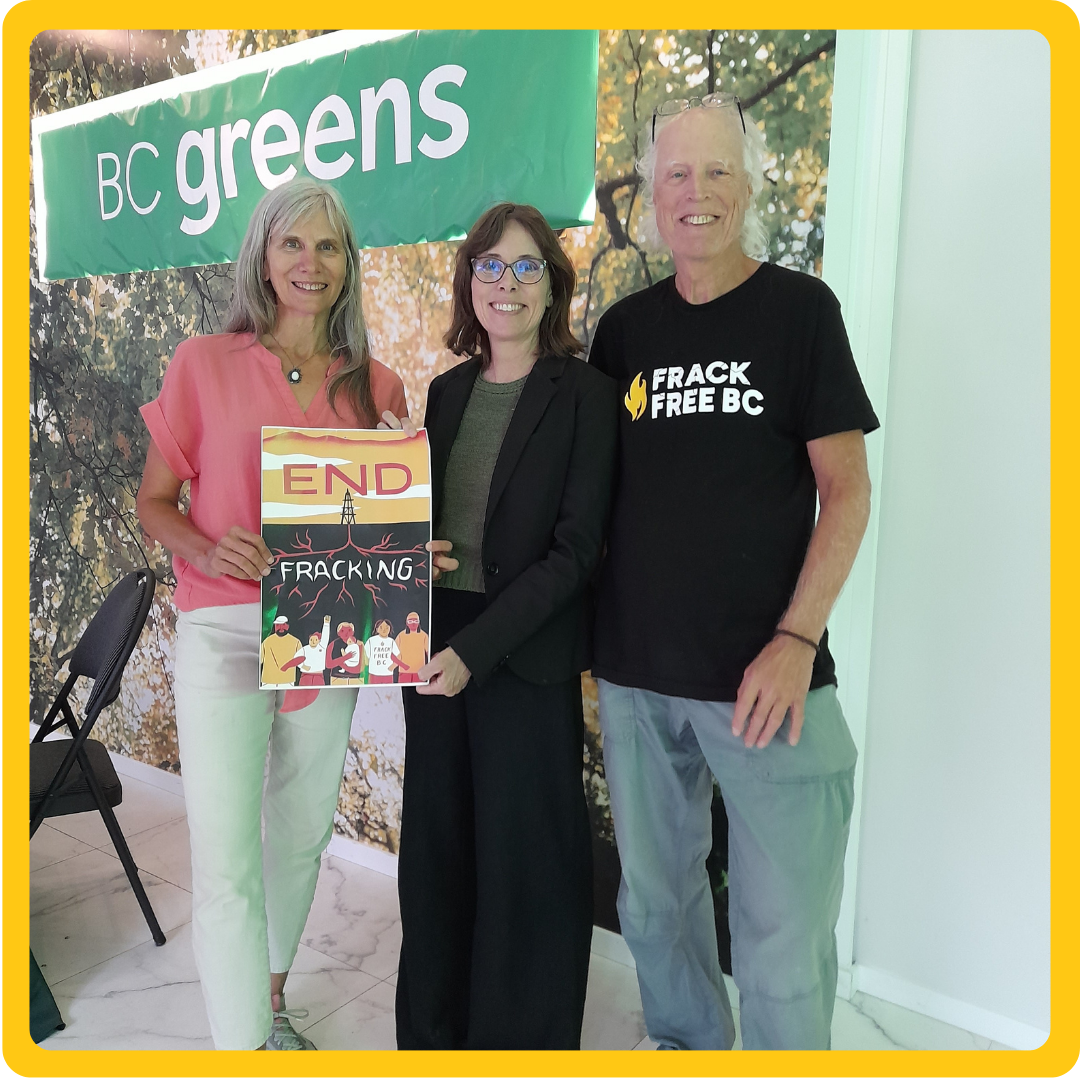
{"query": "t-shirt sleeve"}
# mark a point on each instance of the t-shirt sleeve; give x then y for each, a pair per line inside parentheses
(174, 418)
(833, 398)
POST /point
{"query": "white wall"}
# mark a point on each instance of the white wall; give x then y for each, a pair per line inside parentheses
(953, 879)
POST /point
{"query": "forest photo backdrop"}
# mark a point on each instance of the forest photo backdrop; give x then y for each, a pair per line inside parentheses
(99, 348)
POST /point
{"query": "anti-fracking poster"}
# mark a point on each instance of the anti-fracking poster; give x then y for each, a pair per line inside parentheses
(346, 515)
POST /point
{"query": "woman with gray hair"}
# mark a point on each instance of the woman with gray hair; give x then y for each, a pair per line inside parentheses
(294, 354)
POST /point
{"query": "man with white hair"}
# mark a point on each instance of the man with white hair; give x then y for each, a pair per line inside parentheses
(743, 408)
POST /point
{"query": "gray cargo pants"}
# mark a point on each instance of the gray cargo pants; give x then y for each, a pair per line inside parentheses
(788, 812)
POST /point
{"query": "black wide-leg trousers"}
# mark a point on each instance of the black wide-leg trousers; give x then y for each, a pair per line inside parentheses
(495, 865)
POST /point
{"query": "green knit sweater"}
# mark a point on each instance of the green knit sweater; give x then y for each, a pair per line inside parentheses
(468, 478)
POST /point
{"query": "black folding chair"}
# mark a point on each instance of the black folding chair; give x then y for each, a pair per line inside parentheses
(70, 776)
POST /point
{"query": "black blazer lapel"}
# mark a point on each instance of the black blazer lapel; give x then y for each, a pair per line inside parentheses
(536, 395)
(451, 408)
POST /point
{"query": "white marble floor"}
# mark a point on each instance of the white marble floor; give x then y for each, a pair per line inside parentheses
(117, 990)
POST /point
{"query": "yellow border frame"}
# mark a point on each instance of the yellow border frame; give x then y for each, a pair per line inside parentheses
(1059, 25)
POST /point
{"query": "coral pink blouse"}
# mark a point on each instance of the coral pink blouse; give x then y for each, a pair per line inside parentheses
(217, 393)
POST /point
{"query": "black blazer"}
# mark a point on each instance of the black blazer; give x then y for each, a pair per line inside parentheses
(546, 517)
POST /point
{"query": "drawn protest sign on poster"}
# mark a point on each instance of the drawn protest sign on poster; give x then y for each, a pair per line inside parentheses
(346, 515)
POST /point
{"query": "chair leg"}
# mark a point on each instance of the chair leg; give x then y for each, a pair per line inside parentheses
(123, 851)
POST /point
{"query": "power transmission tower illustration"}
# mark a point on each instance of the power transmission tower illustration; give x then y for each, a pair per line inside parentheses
(348, 515)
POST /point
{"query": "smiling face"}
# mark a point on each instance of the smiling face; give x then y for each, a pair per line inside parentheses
(700, 189)
(306, 264)
(509, 311)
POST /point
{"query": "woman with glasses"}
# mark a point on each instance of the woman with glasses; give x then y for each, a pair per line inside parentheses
(495, 870)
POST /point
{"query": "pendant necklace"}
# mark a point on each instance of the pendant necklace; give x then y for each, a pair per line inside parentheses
(294, 374)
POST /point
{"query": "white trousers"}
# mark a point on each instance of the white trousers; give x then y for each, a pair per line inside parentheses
(251, 892)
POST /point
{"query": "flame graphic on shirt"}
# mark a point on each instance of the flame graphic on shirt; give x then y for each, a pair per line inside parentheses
(636, 399)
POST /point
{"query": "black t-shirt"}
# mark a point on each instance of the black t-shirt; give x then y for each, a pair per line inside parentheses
(715, 499)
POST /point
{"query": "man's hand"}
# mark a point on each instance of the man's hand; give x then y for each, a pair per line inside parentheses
(776, 680)
(445, 674)
(779, 676)
(239, 554)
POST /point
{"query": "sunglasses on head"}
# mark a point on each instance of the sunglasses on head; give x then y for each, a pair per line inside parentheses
(674, 106)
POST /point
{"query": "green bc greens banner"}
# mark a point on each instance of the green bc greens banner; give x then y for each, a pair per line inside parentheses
(420, 131)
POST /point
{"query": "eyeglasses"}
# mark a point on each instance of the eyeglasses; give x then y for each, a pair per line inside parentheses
(674, 106)
(489, 269)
